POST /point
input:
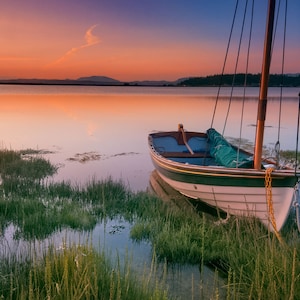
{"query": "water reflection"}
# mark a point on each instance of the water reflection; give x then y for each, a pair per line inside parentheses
(113, 237)
(111, 121)
(100, 132)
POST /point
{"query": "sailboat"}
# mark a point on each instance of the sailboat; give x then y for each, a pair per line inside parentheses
(205, 166)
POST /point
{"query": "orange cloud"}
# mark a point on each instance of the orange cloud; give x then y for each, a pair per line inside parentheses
(90, 39)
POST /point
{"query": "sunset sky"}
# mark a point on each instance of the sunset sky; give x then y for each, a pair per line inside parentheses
(130, 39)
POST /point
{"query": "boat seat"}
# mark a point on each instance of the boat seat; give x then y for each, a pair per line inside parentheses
(186, 155)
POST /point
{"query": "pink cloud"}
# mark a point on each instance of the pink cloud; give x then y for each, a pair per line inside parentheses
(90, 40)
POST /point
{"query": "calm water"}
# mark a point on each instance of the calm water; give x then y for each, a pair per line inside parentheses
(109, 125)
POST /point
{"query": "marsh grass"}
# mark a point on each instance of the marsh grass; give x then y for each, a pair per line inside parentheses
(75, 272)
(254, 263)
(13, 164)
(23, 174)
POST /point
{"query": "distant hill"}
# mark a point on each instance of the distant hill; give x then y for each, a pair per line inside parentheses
(288, 80)
(99, 79)
(92, 80)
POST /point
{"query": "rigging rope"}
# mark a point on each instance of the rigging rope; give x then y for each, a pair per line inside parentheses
(224, 64)
(282, 68)
(245, 81)
(277, 145)
(235, 68)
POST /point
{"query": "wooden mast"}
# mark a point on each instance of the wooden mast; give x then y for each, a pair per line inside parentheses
(263, 93)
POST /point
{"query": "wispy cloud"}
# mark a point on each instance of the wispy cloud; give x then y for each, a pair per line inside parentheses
(90, 40)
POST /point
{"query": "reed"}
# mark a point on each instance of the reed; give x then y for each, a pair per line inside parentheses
(27, 212)
(255, 264)
(13, 164)
(23, 175)
(75, 272)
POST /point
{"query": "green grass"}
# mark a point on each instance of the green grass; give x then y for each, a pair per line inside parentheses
(76, 272)
(254, 263)
(14, 165)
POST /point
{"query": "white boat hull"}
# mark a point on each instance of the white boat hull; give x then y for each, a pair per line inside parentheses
(265, 194)
(241, 201)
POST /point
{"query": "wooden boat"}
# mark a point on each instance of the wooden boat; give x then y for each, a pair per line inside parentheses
(204, 166)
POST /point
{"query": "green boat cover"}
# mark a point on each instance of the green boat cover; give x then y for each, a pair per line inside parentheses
(225, 154)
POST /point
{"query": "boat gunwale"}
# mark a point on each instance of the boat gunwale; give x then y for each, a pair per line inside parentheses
(212, 170)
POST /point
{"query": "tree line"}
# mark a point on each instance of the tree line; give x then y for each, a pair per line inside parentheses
(275, 80)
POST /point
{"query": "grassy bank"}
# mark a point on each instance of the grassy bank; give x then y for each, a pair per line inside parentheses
(76, 272)
(255, 264)
(37, 209)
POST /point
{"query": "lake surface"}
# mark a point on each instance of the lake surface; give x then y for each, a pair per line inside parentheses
(110, 125)
(101, 132)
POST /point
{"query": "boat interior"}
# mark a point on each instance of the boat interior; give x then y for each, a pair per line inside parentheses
(205, 149)
(190, 147)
